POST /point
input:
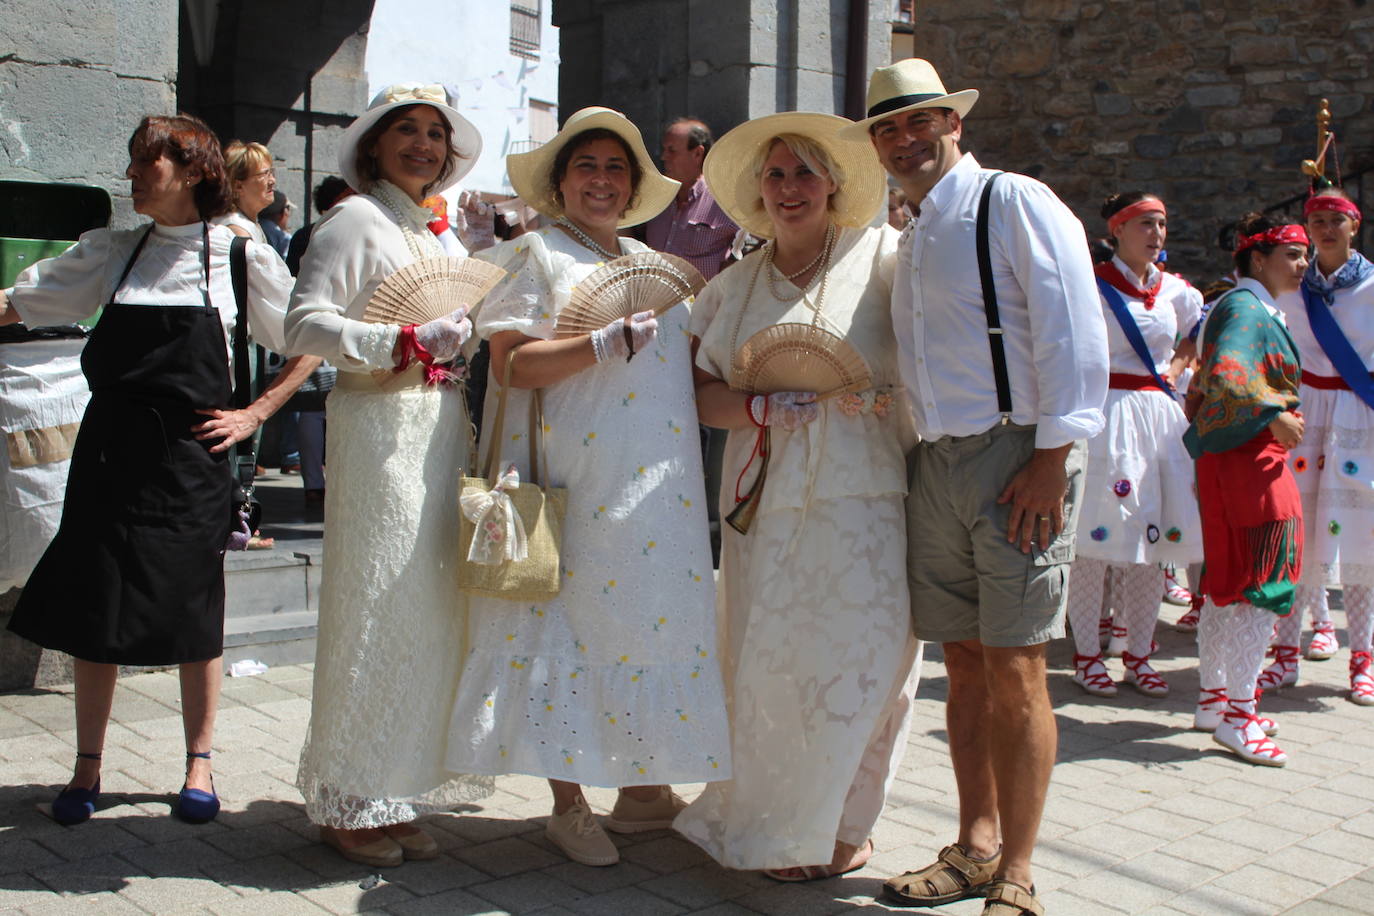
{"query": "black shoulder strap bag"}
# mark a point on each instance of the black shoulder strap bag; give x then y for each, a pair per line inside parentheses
(994, 317)
(247, 511)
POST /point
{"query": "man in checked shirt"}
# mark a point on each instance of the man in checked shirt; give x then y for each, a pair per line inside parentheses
(695, 227)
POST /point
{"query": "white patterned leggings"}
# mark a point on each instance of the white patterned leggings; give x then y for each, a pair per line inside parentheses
(1230, 649)
(1139, 586)
(1359, 614)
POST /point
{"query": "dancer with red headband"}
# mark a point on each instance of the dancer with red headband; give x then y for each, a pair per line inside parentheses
(1242, 432)
(1332, 322)
(1138, 505)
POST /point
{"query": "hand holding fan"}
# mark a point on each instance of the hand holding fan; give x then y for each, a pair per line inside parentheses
(639, 282)
(431, 288)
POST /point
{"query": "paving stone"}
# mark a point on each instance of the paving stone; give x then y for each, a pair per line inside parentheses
(349, 897)
(268, 873)
(665, 855)
(1354, 895)
(700, 887)
(166, 894)
(1165, 871)
(509, 856)
(88, 875)
(1279, 889)
(792, 900)
(185, 858)
(625, 900)
(435, 875)
(262, 840)
(449, 903)
(21, 890)
(279, 903)
(1342, 844)
(592, 880)
(89, 840)
(19, 854)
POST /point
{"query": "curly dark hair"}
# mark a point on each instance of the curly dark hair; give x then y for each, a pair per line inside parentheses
(189, 142)
(559, 170)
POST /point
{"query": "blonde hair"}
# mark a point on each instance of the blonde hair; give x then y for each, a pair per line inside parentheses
(816, 157)
(242, 160)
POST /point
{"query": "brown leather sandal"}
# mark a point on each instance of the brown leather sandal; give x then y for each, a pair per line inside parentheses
(1007, 898)
(954, 875)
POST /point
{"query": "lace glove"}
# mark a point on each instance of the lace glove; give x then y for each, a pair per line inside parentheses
(474, 222)
(624, 337)
(787, 409)
(442, 338)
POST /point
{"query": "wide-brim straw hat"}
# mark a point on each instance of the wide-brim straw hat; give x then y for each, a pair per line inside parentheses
(729, 169)
(905, 86)
(465, 139)
(531, 173)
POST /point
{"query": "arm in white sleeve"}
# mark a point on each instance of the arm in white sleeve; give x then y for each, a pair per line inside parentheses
(66, 288)
(1049, 255)
(343, 256)
(269, 290)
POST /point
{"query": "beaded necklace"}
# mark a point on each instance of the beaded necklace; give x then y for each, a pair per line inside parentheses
(585, 240)
(407, 213)
(822, 272)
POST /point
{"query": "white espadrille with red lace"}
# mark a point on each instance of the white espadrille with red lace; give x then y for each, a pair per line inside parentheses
(1091, 674)
(1116, 646)
(1323, 643)
(1241, 733)
(1140, 675)
(1362, 678)
(1283, 672)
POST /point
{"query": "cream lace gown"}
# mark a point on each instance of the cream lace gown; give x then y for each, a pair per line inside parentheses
(615, 681)
(390, 639)
(820, 666)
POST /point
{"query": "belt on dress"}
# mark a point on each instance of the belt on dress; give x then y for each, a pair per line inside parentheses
(382, 380)
(1126, 382)
(1326, 382)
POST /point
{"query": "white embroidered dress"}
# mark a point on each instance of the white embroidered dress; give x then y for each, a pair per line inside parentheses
(821, 664)
(390, 639)
(1334, 463)
(1138, 502)
(615, 681)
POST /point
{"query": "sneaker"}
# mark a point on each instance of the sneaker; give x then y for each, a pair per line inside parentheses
(1174, 593)
(1323, 643)
(631, 816)
(581, 838)
(1242, 734)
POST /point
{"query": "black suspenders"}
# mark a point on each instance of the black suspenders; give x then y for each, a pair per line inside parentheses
(994, 318)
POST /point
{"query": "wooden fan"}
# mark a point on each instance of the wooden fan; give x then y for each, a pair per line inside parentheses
(431, 288)
(639, 282)
(800, 357)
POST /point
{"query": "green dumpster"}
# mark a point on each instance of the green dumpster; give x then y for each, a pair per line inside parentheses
(41, 219)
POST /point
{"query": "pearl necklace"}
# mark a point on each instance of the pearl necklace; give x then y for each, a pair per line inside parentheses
(823, 272)
(406, 212)
(823, 259)
(585, 240)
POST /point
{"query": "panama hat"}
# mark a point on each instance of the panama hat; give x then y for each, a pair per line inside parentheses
(905, 86)
(530, 172)
(464, 139)
(729, 169)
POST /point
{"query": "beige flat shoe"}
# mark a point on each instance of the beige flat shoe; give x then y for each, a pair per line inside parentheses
(414, 842)
(581, 838)
(631, 816)
(383, 853)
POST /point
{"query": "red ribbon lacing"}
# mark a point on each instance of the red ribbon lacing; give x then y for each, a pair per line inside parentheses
(1118, 282)
(412, 350)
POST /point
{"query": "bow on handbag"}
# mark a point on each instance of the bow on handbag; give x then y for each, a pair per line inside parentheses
(500, 532)
(414, 92)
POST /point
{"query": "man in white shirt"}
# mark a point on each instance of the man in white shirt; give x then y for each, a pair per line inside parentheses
(992, 505)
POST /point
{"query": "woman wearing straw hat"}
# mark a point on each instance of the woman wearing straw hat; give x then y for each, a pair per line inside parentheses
(389, 634)
(821, 653)
(613, 682)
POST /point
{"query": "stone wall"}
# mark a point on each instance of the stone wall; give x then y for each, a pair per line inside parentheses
(75, 78)
(1208, 103)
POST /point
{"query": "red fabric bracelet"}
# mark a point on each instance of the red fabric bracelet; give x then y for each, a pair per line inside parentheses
(411, 349)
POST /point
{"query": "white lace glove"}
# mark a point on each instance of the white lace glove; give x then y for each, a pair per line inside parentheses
(625, 337)
(444, 337)
(474, 222)
(787, 409)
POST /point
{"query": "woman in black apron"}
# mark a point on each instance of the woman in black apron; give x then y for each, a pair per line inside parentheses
(135, 573)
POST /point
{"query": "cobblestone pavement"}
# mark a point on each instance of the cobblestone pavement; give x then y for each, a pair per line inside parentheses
(1144, 817)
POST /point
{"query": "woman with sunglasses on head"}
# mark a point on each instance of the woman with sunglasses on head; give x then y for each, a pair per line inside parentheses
(1252, 535)
(1332, 322)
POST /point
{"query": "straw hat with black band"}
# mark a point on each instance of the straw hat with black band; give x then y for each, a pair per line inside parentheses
(465, 140)
(730, 169)
(905, 86)
(531, 174)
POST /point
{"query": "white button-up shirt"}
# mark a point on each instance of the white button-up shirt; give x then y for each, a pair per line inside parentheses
(1054, 334)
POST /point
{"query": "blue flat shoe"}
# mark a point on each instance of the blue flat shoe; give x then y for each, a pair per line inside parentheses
(196, 806)
(74, 805)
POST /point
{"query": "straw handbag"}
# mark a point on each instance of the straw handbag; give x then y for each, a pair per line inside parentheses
(512, 530)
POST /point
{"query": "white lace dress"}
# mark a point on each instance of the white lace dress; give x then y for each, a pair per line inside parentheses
(390, 639)
(615, 681)
(821, 659)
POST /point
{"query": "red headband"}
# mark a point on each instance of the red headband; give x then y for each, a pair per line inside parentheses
(1330, 202)
(1120, 217)
(1291, 234)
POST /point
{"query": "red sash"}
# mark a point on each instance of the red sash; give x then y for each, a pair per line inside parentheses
(1127, 382)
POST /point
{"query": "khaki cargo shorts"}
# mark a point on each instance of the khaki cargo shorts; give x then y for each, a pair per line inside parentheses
(967, 582)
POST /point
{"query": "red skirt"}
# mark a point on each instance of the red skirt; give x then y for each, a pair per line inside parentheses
(1251, 525)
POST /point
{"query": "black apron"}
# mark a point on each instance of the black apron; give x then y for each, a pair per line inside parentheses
(135, 573)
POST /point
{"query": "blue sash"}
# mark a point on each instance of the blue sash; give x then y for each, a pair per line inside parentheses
(1337, 349)
(1132, 332)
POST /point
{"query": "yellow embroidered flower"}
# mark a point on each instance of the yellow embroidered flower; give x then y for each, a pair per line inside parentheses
(567, 756)
(623, 659)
